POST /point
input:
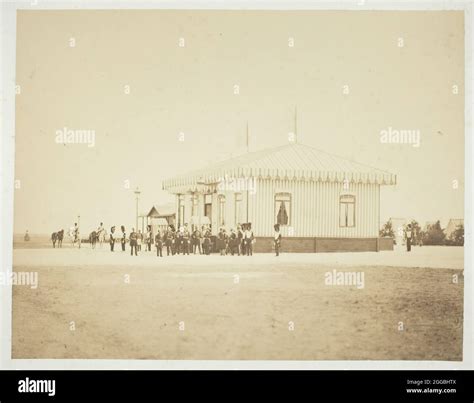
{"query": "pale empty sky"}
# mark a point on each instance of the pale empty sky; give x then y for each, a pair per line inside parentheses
(399, 69)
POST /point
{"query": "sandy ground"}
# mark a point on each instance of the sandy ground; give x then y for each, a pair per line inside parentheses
(194, 307)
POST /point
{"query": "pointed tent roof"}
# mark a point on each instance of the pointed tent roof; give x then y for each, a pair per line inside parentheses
(161, 210)
(292, 161)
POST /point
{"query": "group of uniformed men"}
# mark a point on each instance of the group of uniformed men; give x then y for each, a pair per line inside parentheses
(188, 241)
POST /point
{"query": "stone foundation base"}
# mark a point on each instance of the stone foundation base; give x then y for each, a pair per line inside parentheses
(308, 245)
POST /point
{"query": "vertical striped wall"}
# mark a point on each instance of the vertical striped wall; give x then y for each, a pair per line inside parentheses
(315, 208)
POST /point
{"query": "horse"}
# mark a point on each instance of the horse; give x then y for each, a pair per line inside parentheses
(54, 238)
(57, 237)
(93, 238)
(60, 235)
(102, 236)
(74, 236)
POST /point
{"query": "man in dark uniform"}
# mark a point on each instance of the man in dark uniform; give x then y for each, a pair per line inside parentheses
(207, 242)
(165, 241)
(133, 242)
(243, 245)
(196, 240)
(186, 240)
(248, 239)
(123, 241)
(173, 241)
(178, 241)
(149, 237)
(277, 239)
(159, 244)
(409, 237)
(240, 237)
(233, 247)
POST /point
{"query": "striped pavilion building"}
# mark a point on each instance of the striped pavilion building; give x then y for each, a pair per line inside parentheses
(322, 202)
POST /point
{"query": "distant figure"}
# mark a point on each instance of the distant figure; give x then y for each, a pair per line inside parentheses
(409, 236)
(167, 240)
(248, 239)
(277, 239)
(139, 240)
(112, 238)
(243, 244)
(27, 236)
(149, 237)
(159, 244)
(171, 240)
(233, 242)
(186, 240)
(240, 237)
(179, 243)
(123, 241)
(221, 245)
(196, 238)
(133, 242)
(206, 245)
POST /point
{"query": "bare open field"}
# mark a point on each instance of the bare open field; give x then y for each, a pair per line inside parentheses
(187, 307)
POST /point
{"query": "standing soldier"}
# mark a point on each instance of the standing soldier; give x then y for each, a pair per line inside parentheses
(243, 244)
(186, 240)
(123, 241)
(133, 242)
(196, 240)
(221, 245)
(178, 241)
(112, 238)
(174, 241)
(240, 236)
(207, 242)
(149, 238)
(226, 240)
(167, 240)
(248, 239)
(159, 244)
(409, 236)
(139, 240)
(233, 242)
(277, 239)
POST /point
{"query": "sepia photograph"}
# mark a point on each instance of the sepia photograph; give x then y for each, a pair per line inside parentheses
(240, 184)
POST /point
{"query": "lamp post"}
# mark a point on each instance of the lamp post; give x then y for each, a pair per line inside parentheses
(137, 193)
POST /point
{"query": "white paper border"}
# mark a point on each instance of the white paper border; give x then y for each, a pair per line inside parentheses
(7, 94)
